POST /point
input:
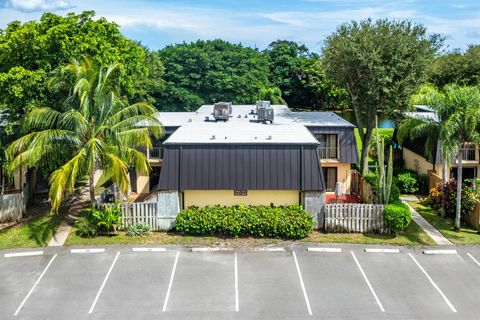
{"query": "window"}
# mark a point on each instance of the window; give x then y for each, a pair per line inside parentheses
(133, 179)
(328, 146)
(242, 193)
(330, 176)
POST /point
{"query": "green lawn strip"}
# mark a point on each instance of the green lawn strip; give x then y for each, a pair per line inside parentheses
(382, 131)
(413, 235)
(445, 226)
(34, 233)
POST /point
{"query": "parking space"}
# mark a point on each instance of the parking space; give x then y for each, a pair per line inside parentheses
(336, 287)
(269, 286)
(68, 288)
(404, 290)
(458, 277)
(137, 285)
(346, 283)
(203, 282)
(18, 275)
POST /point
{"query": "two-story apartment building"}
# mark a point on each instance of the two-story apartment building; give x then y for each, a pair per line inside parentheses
(418, 159)
(240, 159)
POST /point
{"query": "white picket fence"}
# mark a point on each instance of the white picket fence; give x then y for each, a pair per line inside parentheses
(144, 212)
(355, 217)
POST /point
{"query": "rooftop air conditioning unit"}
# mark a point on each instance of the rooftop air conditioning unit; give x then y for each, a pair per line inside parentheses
(264, 111)
(222, 111)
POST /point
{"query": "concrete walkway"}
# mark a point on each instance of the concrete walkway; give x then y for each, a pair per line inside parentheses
(424, 224)
(61, 235)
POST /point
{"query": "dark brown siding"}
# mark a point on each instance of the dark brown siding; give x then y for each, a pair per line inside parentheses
(347, 141)
(241, 167)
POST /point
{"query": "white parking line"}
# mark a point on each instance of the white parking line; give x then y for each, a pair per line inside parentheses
(237, 307)
(473, 258)
(324, 249)
(433, 283)
(270, 249)
(23, 254)
(35, 285)
(103, 283)
(170, 283)
(381, 250)
(149, 249)
(302, 284)
(439, 251)
(367, 281)
(88, 250)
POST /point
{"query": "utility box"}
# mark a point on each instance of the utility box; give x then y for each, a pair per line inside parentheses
(222, 111)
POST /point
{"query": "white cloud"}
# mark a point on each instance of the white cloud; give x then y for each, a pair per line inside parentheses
(39, 5)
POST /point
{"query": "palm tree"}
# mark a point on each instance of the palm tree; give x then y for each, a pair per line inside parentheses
(459, 111)
(93, 129)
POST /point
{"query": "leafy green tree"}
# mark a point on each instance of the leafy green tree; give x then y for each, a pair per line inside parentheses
(380, 64)
(459, 109)
(300, 77)
(205, 72)
(94, 129)
(30, 53)
(274, 95)
(456, 67)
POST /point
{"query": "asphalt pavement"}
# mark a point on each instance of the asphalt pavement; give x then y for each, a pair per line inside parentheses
(295, 282)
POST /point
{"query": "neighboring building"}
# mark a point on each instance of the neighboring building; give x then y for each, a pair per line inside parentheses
(295, 159)
(420, 160)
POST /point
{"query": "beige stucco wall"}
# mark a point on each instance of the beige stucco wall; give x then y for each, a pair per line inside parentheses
(202, 198)
(415, 162)
(143, 182)
(344, 174)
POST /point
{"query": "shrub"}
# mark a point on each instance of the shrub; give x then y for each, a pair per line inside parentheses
(95, 221)
(449, 199)
(394, 193)
(407, 182)
(85, 228)
(138, 230)
(422, 184)
(371, 178)
(397, 216)
(290, 222)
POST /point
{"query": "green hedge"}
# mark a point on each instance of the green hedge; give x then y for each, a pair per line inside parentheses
(290, 222)
(397, 216)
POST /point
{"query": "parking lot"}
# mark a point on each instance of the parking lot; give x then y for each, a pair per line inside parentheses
(337, 282)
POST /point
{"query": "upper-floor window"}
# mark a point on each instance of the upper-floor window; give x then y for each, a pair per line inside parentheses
(328, 146)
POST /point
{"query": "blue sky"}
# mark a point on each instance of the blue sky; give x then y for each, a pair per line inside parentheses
(157, 23)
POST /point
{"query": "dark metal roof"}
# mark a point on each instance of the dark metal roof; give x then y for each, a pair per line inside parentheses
(347, 142)
(241, 167)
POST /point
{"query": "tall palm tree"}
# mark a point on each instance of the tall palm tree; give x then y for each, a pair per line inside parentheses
(93, 129)
(459, 109)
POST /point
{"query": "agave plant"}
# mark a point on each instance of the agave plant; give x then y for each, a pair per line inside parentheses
(93, 130)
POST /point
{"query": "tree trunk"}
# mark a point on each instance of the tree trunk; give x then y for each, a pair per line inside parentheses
(459, 191)
(444, 181)
(364, 154)
(91, 186)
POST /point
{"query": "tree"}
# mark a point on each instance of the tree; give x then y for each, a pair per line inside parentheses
(31, 52)
(93, 129)
(210, 71)
(456, 67)
(459, 109)
(274, 95)
(380, 64)
(300, 77)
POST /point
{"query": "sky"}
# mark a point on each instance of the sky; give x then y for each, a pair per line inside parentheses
(157, 23)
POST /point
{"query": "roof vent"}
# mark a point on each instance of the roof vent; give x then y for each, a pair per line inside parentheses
(239, 116)
(213, 137)
(246, 116)
(190, 120)
(269, 138)
(222, 111)
(207, 119)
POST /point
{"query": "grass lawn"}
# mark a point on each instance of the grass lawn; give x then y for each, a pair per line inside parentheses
(382, 131)
(413, 235)
(445, 226)
(34, 233)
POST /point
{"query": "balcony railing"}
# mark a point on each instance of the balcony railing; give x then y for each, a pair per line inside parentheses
(328, 152)
(469, 152)
(156, 153)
